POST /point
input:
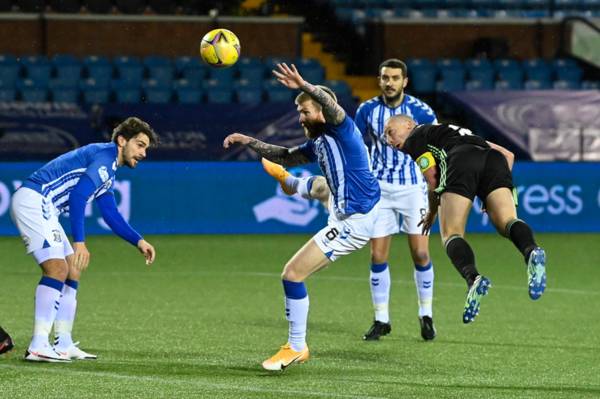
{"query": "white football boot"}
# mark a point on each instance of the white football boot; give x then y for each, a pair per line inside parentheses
(74, 353)
(45, 354)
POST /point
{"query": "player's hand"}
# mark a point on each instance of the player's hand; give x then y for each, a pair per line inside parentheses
(427, 222)
(289, 76)
(81, 256)
(147, 250)
(236, 138)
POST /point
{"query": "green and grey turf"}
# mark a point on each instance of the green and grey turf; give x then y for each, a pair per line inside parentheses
(198, 322)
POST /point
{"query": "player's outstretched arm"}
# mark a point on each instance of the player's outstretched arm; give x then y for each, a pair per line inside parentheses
(287, 157)
(291, 78)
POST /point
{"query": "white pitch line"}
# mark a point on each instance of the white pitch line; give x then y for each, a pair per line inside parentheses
(64, 369)
(552, 290)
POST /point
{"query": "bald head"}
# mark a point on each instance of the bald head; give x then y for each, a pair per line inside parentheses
(397, 129)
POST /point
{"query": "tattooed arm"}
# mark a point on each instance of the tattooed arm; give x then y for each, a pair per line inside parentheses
(287, 157)
(290, 78)
(332, 111)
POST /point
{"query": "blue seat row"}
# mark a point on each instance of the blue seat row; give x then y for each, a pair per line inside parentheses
(134, 70)
(452, 74)
(359, 16)
(182, 92)
(475, 4)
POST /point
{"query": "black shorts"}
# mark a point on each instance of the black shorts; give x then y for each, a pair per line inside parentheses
(476, 171)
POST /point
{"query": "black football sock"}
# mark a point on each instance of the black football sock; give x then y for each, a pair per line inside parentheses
(462, 257)
(521, 235)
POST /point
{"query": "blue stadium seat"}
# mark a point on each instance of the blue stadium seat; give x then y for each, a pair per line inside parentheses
(340, 87)
(485, 75)
(508, 85)
(249, 95)
(184, 62)
(34, 95)
(157, 96)
(251, 69)
(37, 68)
(422, 79)
(160, 68)
(128, 95)
(7, 94)
(95, 95)
(68, 72)
(219, 96)
(449, 63)
(188, 95)
(590, 85)
(152, 84)
(217, 84)
(184, 83)
(566, 85)
(450, 84)
(271, 63)
(9, 73)
(98, 68)
(275, 95)
(475, 84)
(63, 84)
(93, 84)
(534, 84)
(512, 75)
(224, 75)
(65, 95)
(418, 63)
(569, 73)
(506, 63)
(132, 73)
(194, 73)
(537, 69)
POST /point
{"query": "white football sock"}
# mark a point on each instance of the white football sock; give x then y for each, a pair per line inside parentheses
(296, 311)
(63, 325)
(47, 296)
(380, 291)
(424, 282)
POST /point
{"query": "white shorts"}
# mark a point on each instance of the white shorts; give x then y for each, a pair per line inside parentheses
(343, 235)
(36, 219)
(401, 208)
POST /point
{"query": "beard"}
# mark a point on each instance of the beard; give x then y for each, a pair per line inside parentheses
(392, 99)
(313, 131)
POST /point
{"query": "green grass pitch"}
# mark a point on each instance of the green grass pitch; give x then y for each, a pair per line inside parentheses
(198, 322)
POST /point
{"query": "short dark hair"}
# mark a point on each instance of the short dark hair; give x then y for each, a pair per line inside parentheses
(393, 63)
(133, 126)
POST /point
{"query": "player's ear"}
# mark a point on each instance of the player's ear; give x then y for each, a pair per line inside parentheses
(405, 83)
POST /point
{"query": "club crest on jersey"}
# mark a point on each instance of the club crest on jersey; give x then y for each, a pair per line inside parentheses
(103, 173)
(57, 236)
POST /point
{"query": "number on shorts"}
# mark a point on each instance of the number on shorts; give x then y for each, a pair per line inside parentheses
(331, 234)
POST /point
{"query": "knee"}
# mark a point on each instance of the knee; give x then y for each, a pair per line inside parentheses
(290, 274)
(420, 256)
(378, 255)
(447, 239)
(56, 270)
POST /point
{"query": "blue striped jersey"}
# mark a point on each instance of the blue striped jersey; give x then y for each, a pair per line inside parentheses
(389, 164)
(57, 178)
(344, 161)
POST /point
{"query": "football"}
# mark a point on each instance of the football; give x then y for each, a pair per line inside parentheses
(220, 48)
